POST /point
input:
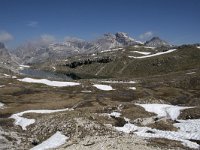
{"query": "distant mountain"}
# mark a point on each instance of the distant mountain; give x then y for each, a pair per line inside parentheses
(34, 53)
(157, 42)
(2, 45)
(7, 60)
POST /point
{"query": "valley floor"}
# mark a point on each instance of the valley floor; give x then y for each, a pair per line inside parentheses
(101, 113)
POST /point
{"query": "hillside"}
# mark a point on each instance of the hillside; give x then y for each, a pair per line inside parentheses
(129, 62)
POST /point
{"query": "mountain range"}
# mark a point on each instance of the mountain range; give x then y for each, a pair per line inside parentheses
(34, 53)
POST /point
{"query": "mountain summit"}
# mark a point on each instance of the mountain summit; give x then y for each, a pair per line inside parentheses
(157, 42)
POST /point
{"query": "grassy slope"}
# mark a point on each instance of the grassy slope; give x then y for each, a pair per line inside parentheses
(184, 58)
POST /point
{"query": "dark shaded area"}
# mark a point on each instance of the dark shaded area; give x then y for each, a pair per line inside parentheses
(75, 64)
(196, 141)
(73, 76)
(25, 91)
(120, 122)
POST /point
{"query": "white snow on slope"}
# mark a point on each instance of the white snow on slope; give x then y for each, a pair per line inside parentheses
(191, 73)
(147, 132)
(112, 114)
(110, 50)
(131, 82)
(1, 105)
(86, 91)
(143, 53)
(149, 47)
(156, 54)
(54, 141)
(48, 82)
(23, 66)
(189, 126)
(115, 114)
(132, 88)
(198, 47)
(24, 122)
(6, 75)
(164, 110)
(103, 87)
(188, 129)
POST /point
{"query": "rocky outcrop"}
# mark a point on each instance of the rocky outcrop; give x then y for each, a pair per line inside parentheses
(7, 60)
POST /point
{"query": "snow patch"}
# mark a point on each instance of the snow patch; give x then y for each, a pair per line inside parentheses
(131, 82)
(48, 82)
(198, 47)
(112, 114)
(24, 122)
(164, 110)
(2, 86)
(189, 126)
(86, 91)
(157, 54)
(54, 141)
(23, 66)
(132, 88)
(103, 87)
(143, 53)
(147, 132)
(136, 46)
(110, 50)
(1, 105)
(6, 75)
(188, 129)
(148, 47)
(191, 73)
(115, 114)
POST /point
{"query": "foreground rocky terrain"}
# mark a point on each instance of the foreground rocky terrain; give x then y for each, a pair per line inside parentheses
(127, 97)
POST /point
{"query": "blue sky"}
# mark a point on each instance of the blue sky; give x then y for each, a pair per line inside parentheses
(177, 21)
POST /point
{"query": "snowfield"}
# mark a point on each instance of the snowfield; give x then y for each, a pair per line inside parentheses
(103, 87)
(143, 53)
(147, 132)
(48, 82)
(24, 122)
(164, 110)
(156, 54)
(188, 129)
(131, 82)
(54, 141)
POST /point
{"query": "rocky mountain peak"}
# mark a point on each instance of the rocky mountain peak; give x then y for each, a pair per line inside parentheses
(125, 39)
(157, 42)
(121, 35)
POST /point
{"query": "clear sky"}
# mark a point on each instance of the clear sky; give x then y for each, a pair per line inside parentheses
(177, 21)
